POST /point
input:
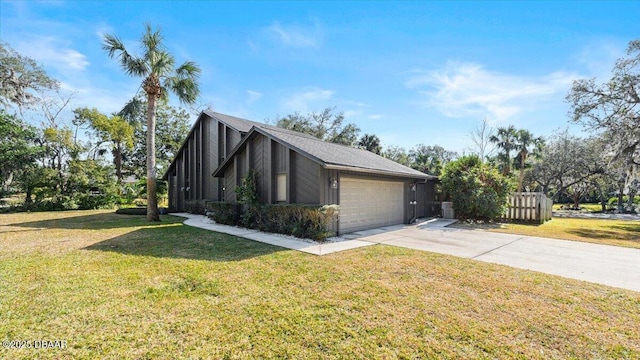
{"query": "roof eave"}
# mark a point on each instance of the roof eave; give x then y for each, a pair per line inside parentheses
(379, 172)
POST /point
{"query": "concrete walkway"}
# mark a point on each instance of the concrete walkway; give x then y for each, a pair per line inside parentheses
(602, 264)
(288, 242)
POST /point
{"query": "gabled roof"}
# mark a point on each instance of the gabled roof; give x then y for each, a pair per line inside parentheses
(329, 155)
(236, 123)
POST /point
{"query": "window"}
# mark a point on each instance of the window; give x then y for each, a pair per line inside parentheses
(281, 187)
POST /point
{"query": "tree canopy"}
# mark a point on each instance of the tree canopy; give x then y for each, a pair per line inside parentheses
(370, 142)
(325, 125)
(477, 190)
(21, 79)
(612, 107)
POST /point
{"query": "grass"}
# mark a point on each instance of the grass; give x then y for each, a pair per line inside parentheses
(598, 231)
(115, 286)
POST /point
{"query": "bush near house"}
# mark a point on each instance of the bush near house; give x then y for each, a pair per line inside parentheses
(223, 212)
(196, 207)
(303, 221)
(477, 190)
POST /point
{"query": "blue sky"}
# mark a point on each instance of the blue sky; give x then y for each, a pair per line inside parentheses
(409, 72)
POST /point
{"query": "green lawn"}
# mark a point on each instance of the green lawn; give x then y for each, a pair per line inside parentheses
(598, 231)
(115, 286)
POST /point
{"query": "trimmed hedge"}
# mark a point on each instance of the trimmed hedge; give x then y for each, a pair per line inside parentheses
(303, 221)
(223, 212)
(196, 207)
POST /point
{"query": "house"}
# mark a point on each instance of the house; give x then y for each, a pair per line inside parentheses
(293, 167)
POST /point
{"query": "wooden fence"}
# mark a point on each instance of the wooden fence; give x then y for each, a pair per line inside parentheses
(529, 206)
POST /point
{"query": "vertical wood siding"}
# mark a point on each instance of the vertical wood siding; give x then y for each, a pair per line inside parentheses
(230, 185)
(257, 151)
(306, 180)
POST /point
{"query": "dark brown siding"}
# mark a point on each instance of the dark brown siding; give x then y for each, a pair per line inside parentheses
(306, 174)
(281, 158)
(209, 158)
(421, 199)
(233, 139)
(257, 154)
(243, 167)
(230, 184)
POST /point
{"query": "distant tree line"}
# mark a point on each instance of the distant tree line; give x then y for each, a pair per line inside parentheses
(82, 158)
(74, 158)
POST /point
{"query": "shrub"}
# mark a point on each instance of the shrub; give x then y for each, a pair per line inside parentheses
(196, 207)
(625, 199)
(223, 212)
(477, 190)
(303, 221)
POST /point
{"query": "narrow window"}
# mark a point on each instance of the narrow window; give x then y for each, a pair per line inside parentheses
(281, 188)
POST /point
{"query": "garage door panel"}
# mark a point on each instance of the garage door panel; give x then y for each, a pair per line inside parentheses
(367, 203)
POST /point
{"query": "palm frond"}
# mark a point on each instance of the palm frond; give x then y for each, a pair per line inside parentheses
(186, 89)
(137, 67)
(188, 70)
(152, 40)
(112, 44)
(130, 109)
(161, 63)
(115, 49)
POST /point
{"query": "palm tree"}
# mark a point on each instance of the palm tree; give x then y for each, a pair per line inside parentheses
(156, 67)
(505, 139)
(371, 143)
(524, 139)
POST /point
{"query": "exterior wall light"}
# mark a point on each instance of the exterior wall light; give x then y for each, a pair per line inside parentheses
(412, 187)
(334, 183)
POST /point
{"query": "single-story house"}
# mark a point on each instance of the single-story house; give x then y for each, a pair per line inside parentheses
(293, 167)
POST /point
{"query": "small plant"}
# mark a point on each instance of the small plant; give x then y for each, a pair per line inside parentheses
(248, 198)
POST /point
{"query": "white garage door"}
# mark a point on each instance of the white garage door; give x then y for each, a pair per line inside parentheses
(366, 204)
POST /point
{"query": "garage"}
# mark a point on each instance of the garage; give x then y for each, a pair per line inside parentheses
(369, 203)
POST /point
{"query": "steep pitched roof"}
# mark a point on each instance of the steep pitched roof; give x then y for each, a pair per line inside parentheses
(329, 155)
(236, 123)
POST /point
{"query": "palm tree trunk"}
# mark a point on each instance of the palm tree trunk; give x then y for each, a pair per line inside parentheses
(117, 159)
(507, 164)
(523, 160)
(152, 198)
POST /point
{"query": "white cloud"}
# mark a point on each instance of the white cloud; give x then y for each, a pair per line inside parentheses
(375, 117)
(302, 101)
(253, 96)
(599, 57)
(297, 36)
(467, 89)
(350, 114)
(51, 52)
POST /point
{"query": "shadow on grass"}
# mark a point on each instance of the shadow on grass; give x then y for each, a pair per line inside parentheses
(627, 232)
(75, 220)
(491, 226)
(169, 238)
(184, 242)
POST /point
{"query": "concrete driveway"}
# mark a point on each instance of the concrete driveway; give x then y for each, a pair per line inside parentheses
(602, 264)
